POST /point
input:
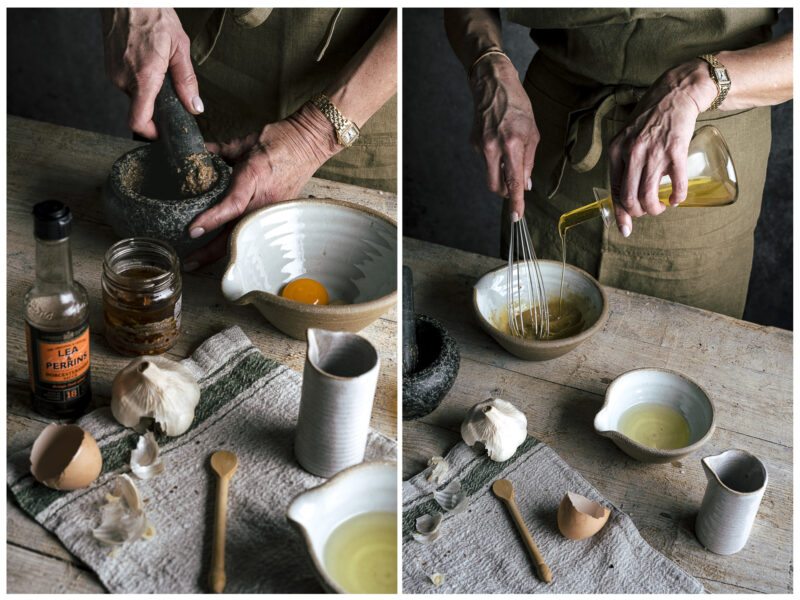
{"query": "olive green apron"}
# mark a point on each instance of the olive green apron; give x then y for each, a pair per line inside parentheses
(257, 66)
(696, 256)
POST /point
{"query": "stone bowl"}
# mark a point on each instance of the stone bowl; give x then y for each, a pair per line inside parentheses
(663, 387)
(138, 204)
(437, 368)
(350, 249)
(580, 288)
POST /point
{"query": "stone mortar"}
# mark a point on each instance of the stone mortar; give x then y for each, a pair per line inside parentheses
(437, 367)
(141, 201)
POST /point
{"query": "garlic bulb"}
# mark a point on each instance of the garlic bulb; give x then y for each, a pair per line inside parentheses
(498, 425)
(154, 388)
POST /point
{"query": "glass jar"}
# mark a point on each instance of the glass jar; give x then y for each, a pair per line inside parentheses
(141, 296)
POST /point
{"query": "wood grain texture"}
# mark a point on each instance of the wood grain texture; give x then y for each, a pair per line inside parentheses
(745, 368)
(49, 161)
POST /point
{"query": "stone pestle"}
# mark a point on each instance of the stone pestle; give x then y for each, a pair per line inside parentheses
(182, 143)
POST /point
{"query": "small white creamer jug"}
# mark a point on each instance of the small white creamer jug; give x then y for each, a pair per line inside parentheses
(736, 483)
(339, 380)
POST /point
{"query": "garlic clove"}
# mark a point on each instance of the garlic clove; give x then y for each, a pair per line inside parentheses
(498, 425)
(439, 468)
(427, 528)
(122, 518)
(423, 538)
(452, 498)
(145, 462)
(158, 389)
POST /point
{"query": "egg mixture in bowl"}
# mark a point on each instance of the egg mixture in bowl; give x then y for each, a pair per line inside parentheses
(314, 263)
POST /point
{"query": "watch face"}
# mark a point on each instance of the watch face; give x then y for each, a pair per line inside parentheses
(349, 135)
(721, 75)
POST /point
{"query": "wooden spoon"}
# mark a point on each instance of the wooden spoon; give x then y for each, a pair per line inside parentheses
(224, 464)
(503, 489)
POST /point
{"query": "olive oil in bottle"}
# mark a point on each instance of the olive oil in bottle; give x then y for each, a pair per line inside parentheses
(56, 313)
(655, 425)
(361, 554)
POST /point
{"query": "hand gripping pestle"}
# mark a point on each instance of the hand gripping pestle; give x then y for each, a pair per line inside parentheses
(182, 143)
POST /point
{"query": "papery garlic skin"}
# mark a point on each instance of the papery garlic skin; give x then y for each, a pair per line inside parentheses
(498, 425)
(154, 387)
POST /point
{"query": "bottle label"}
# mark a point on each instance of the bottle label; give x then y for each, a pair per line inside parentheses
(58, 362)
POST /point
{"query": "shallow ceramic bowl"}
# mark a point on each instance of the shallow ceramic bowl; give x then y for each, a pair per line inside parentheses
(489, 304)
(663, 387)
(315, 513)
(132, 214)
(349, 249)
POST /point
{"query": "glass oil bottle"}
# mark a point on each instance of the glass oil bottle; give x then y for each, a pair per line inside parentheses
(56, 313)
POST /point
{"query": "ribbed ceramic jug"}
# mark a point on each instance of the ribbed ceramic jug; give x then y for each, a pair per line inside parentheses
(339, 380)
(736, 483)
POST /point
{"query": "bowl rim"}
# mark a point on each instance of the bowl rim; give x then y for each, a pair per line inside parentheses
(576, 339)
(280, 301)
(656, 452)
(322, 573)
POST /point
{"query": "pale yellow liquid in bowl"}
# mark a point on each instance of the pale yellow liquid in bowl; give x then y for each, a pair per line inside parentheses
(656, 426)
(361, 554)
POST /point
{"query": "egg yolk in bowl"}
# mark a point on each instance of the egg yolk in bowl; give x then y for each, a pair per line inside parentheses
(307, 291)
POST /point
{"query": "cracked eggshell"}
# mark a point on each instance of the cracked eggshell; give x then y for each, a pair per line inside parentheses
(65, 457)
(579, 517)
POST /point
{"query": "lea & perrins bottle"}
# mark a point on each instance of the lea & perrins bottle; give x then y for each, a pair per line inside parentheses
(56, 313)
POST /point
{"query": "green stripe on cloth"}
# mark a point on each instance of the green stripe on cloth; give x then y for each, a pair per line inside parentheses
(36, 498)
(474, 481)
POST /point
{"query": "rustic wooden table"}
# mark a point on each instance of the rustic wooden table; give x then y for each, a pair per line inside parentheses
(745, 368)
(48, 161)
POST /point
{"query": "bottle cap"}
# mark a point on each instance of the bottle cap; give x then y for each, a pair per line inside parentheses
(52, 220)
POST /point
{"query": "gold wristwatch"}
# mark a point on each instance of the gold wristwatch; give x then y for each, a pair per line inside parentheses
(719, 74)
(346, 131)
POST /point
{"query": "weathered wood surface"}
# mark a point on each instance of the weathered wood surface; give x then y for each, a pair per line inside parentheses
(48, 161)
(745, 368)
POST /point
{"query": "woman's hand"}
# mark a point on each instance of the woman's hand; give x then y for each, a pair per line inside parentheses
(655, 142)
(140, 45)
(504, 131)
(270, 166)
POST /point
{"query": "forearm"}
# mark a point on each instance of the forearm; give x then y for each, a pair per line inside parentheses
(761, 75)
(472, 31)
(369, 79)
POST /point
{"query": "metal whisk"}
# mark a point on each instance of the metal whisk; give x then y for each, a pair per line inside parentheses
(525, 287)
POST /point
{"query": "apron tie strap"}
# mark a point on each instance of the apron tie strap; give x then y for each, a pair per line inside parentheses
(583, 144)
(326, 40)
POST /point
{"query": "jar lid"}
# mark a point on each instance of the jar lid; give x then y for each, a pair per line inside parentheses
(52, 220)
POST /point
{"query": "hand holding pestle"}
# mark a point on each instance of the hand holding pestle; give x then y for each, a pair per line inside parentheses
(183, 143)
(410, 350)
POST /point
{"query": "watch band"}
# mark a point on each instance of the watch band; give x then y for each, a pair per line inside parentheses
(719, 74)
(347, 132)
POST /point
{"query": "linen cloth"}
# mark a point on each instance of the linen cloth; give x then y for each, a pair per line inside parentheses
(248, 405)
(480, 551)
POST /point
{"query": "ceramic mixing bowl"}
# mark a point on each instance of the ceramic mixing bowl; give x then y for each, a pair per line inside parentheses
(662, 387)
(316, 513)
(349, 249)
(133, 210)
(580, 288)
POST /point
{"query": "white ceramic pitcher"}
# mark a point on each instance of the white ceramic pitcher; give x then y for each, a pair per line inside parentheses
(736, 483)
(339, 380)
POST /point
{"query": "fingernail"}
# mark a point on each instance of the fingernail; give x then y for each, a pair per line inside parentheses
(514, 217)
(190, 266)
(196, 232)
(530, 184)
(625, 231)
(198, 104)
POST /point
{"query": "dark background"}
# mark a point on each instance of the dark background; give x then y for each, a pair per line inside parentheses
(445, 199)
(55, 73)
